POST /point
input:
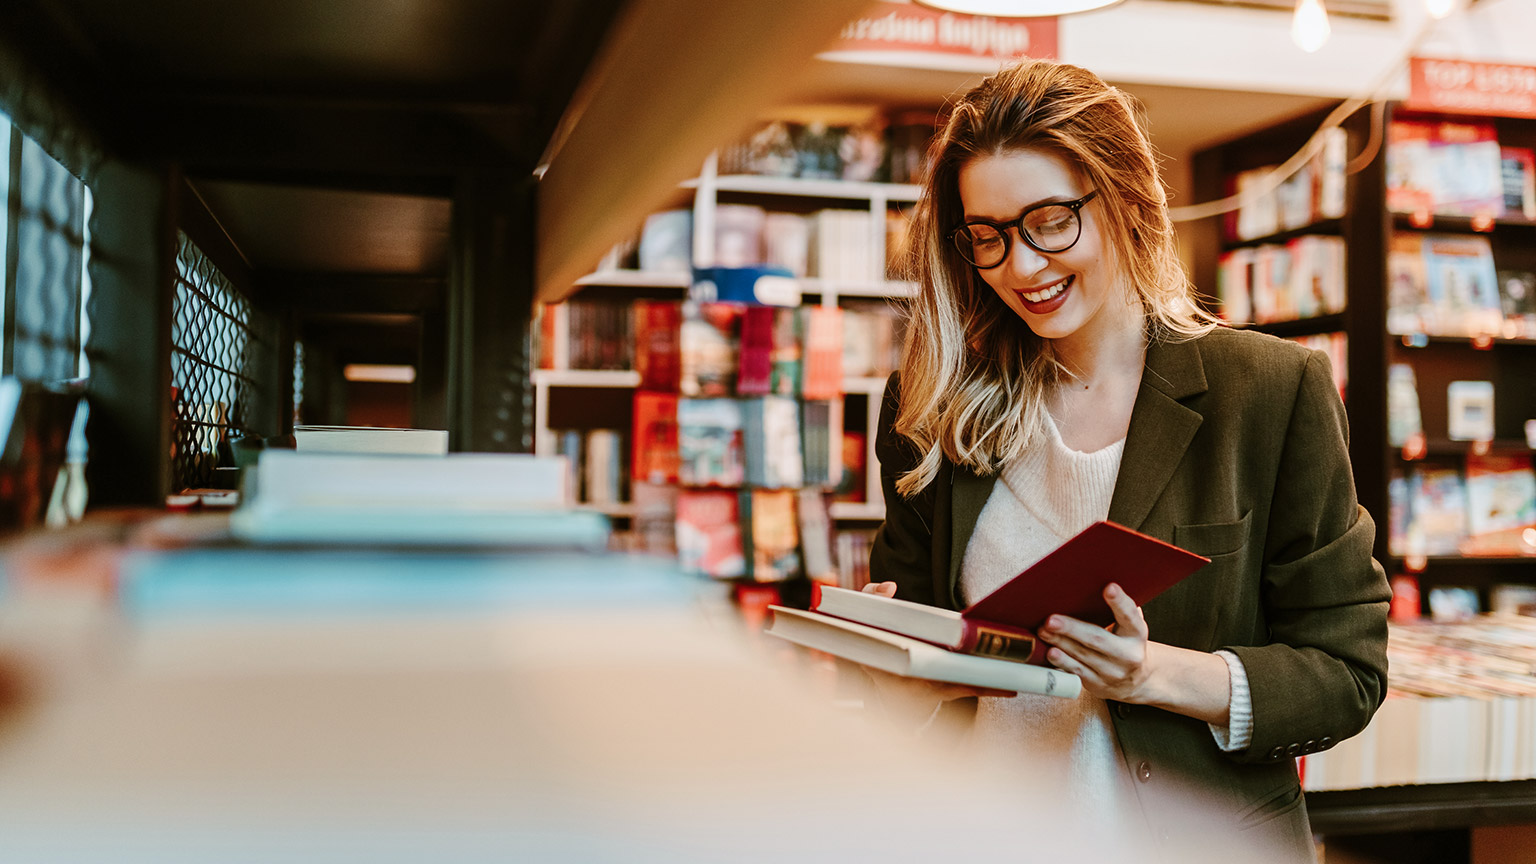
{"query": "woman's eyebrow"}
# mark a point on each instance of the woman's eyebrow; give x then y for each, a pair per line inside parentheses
(1053, 199)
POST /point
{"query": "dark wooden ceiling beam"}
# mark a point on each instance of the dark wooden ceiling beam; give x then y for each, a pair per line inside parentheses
(340, 294)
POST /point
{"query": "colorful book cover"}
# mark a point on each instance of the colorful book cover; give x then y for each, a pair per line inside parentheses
(1408, 307)
(821, 429)
(816, 536)
(709, 533)
(1403, 419)
(1468, 171)
(784, 372)
(1398, 515)
(666, 242)
(1469, 410)
(755, 365)
(855, 460)
(654, 445)
(822, 361)
(709, 442)
(1438, 504)
(774, 541)
(658, 349)
(1501, 503)
(1463, 285)
(1410, 171)
(708, 347)
(655, 520)
(1519, 182)
(1517, 299)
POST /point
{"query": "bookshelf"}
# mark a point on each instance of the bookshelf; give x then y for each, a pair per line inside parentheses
(623, 285)
(1367, 228)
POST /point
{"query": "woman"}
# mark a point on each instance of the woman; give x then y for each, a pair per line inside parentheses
(1057, 373)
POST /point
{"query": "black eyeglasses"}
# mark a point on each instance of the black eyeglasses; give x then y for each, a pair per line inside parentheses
(1053, 226)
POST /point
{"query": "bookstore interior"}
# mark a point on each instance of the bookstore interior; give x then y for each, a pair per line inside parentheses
(354, 356)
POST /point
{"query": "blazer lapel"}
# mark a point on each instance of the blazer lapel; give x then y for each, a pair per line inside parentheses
(968, 494)
(1161, 429)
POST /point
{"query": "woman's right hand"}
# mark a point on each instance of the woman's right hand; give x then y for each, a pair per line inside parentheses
(917, 697)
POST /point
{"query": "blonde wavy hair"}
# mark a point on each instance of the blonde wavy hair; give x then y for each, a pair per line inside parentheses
(974, 376)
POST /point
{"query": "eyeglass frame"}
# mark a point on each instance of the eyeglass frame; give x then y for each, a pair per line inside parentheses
(1017, 223)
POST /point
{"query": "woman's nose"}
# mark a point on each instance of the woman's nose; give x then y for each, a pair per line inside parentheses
(1023, 259)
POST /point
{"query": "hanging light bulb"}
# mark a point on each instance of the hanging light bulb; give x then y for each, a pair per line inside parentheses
(1309, 29)
(1439, 8)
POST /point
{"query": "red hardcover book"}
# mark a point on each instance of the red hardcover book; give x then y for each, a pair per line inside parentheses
(654, 457)
(755, 365)
(658, 355)
(1068, 581)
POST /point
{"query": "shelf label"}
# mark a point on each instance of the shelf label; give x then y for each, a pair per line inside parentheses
(913, 35)
(1467, 87)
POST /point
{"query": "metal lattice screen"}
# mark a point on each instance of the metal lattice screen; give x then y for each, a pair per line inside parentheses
(216, 343)
(46, 310)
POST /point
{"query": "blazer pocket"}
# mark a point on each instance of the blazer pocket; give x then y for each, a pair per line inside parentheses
(1213, 538)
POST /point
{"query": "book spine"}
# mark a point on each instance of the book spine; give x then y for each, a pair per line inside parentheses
(1004, 643)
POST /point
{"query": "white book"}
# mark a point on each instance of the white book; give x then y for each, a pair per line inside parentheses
(370, 439)
(912, 658)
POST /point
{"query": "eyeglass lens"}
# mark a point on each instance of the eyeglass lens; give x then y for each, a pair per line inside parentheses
(1053, 228)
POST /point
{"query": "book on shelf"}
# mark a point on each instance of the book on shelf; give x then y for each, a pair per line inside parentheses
(709, 442)
(1469, 410)
(1399, 514)
(855, 450)
(1501, 504)
(853, 558)
(785, 356)
(707, 345)
(1437, 507)
(1512, 599)
(754, 365)
(1518, 167)
(1408, 306)
(1449, 603)
(1517, 299)
(1068, 581)
(739, 235)
(460, 499)
(658, 352)
(666, 242)
(1468, 171)
(872, 337)
(771, 442)
(821, 429)
(1410, 171)
(599, 335)
(369, 439)
(771, 534)
(654, 454)
(655, 519)
(1462, 284)
(913, 658)
(1404, 422)
(603, 470)
(787, 243)
(821, 370)
(816, 536)
(709, 540)
(568, 446)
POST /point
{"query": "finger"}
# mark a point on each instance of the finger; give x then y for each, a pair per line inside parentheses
(884, 589)
(1128, 618)
(1108, 654)
(1068, 663)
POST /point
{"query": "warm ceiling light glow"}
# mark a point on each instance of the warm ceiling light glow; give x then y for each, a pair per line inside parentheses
(1017, 8)
(379, 373)
(1439, 8)
(1309, 29)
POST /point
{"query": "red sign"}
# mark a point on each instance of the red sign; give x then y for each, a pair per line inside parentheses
(1467, 87)
(907, 28)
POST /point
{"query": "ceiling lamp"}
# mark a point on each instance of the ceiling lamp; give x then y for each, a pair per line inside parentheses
(1018, 8)
(1439, 8)
(1309, 29)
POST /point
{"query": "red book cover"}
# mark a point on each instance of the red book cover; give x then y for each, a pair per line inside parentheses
(658, 353)
(822, 372)
(654, 457)
(1068, 581)
(755, 365)
(709, 533)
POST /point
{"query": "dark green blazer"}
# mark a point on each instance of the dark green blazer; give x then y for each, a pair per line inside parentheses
(1237, 450)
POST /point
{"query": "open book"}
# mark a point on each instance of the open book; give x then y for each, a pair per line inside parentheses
(1068, 581)
(913, 658)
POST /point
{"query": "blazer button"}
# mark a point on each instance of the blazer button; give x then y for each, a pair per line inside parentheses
(1122, 710)
(1293, 749)
(1277, 752)
(1309, 747)
(1324, 742)
(1144, 772)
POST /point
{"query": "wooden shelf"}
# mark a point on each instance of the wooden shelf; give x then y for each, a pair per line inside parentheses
(637, 279)
(1458, 224)
(1332, 227)
(1331, 323)
(856, 510)
(844, 190)
(616, 509)
(587, 377)
(1420, 340)
(890, 288)
(1416, 808)
(1446, 447)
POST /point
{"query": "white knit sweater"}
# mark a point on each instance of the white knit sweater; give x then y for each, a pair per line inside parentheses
(1046, 496)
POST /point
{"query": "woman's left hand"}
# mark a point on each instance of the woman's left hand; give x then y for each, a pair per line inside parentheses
(1113, 663)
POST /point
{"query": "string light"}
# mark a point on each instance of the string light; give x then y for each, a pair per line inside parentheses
(1309, 29)
(1439, 8)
